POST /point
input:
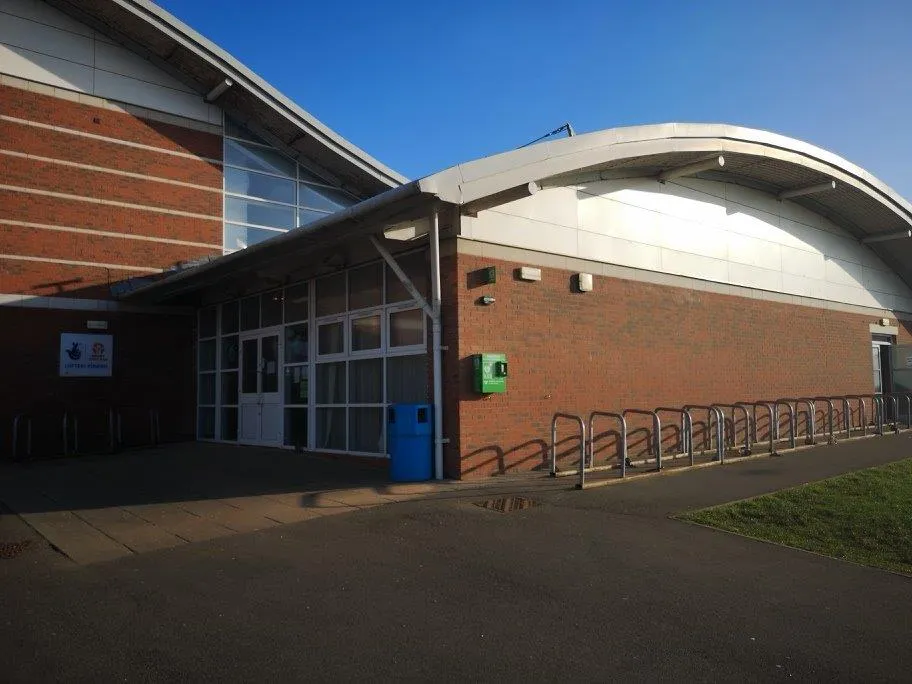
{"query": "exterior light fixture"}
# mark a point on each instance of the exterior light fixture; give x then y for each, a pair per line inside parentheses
(219, 90)
(486, 300)
(883, 237)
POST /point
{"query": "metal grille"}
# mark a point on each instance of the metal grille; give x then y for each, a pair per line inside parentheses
(508, 504)
(13, 549)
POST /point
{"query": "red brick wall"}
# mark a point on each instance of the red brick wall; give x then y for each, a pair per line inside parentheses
(195, 162)
(152, 368)
(628, 344)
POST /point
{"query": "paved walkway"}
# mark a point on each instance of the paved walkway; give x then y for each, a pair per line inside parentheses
(588, 586)
(96, 509)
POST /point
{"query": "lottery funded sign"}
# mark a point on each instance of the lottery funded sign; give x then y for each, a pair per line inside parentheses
(86, 355)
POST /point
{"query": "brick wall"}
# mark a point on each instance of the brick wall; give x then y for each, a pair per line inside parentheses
(131, 157)
(152, 368)
(628, 344)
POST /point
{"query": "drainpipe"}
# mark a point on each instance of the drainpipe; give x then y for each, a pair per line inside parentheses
(437, 351)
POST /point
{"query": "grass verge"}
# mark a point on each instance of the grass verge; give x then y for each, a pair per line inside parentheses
(865, 517)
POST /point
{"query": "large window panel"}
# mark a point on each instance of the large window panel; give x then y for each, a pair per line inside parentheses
(230, 388)
(407, 379)
(365, 287)
(326, 199)
(330, 428)
(306, 216)
(229, 352)
(366, 332)
(241, 237)
(331, 383)
(207, 388)
(229, 426)
(331, 295)
(365, 430)
(260, 185)
(207, 355)
(365, 381)
(271, 308)
(229, 317)
(296, 385)
(240, 210)
(250, 313)
(205, 425)
(330, 338)
(296, 343)
(416, 267)
(406, 328)
(296, 298)
(296, 427)
(208, 322)
(258, 158)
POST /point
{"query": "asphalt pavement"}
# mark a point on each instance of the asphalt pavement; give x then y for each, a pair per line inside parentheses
(589, 585)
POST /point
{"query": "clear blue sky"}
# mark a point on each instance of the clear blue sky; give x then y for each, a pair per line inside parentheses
(422, 86)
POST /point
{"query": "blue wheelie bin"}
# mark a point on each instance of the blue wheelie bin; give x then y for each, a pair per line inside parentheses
(409, 432)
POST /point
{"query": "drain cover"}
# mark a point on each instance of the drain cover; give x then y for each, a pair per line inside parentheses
(13, 549)
(508, 504)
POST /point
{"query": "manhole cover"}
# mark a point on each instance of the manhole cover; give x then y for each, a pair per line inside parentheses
(508, 504)
(13, 549)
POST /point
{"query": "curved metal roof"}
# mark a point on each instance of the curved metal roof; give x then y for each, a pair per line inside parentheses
(148, 30)
(860, 204)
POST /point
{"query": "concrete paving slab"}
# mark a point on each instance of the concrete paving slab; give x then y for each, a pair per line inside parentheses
(361, 497)
(138, 535)
(232, 517)
(268, 507)
(179, 522)
(75, 537)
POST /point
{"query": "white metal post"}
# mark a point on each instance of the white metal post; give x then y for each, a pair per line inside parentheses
(436, 331)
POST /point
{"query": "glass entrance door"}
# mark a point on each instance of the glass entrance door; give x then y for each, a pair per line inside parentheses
(260, 401)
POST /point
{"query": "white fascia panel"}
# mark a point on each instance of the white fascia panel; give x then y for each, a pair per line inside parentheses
(758, 278)
(30, 35)
(504, 229)
(120, 61)
(612, 250)
(844, 272)
(34, 66)
(117, 87)
(753, 252)
(695, 266)
(803, 263)
(43, 13)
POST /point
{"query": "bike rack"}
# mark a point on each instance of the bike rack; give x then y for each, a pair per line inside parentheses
(720, 427)
(656, 428)
(846, 415)
(685, 440)
(884, 398)
(746, 450)
(863, 411)
(66, 434)
(622, 438)
(769, 407)
(557, 416)
(896, 396)
(791, 416)
(877, 403)
(28, 435)
(811, 413)
(832, 437)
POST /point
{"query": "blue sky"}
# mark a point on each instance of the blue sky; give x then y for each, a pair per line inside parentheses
(425, 85)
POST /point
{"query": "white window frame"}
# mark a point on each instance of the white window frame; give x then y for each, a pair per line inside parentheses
(411, 348)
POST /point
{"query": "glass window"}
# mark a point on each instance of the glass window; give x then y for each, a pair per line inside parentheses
(229, 427)
(331, 383)
(250, 313)
(407, 379)
(251, 366)
(310, 176)
(229, 352)
(330, 338)
(296, 298)
(365, 287)
(207, 388)
(241, 237)
(406, 328)
(331, 295)
(271, 308)
(262, 213)
(365, 430)
(296, 427)
(207, 355)
(239, 130)
(208, 323)
(296, 384)
(327, 199)
(259, 185)
(365, 333)
(258, 158)
(416, 268)
(206, 422)
(229, 317)
(306, 216)
(366, 381)
(296, 343)
(270, 366)
(229, 388)
(330, 428)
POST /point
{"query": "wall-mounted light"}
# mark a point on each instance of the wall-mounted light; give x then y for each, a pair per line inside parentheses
(219, 89)
(529, 274)
(486, 300)
(584, 282)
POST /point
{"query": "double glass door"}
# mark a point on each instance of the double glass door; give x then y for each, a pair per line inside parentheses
(260, 401)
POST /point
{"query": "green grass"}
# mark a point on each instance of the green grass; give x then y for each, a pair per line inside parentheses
(865, 517)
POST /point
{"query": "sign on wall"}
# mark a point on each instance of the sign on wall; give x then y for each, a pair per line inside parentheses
(86, 355)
